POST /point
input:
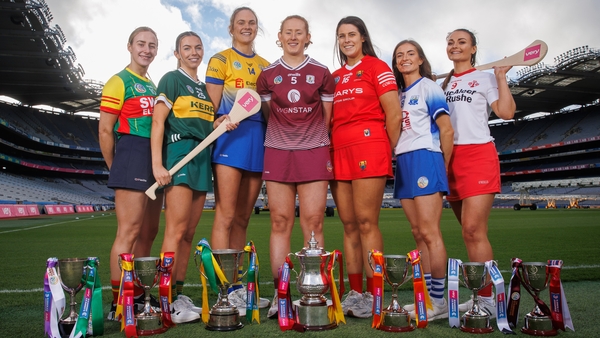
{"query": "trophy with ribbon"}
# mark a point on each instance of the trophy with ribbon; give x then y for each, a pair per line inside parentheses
(145, 276)
(219, 267)
(394, 269)
(313, 312)
(71, 272)
(536, 277)
(475, 278)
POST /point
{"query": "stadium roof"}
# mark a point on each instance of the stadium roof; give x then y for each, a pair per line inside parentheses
(35, 66)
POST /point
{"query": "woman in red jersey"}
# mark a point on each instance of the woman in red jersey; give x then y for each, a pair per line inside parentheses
(365, 128)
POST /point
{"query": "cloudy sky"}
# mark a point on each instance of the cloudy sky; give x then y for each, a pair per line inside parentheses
(97, 30)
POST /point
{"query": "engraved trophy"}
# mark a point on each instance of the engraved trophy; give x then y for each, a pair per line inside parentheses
(475, 278)
(395, 273)
(312, 309)
(535, 278)
(71, 272)
(146, 275)
(224, 316)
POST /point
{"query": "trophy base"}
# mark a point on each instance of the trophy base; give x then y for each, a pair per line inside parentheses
(396, 322)
(475, 323)
(65, 328)
(538, 326)
(149, 324)
(314, 317)
(221, 320)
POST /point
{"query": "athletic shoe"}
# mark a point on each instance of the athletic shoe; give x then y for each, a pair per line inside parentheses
(181, 312)
(363, 308)
(243, 294)
(409, 307)
(191, 305)
(274, 309)
(111, 313)
(439, 311)
(238, 298)
(138, 303)
(352, 298)
(487, 304)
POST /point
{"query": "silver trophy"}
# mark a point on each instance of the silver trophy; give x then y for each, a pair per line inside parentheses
(475, 278)
(224, 316)
(312, 308)
(395, 273)
(535, 278)
(146, 275)
(71, 272)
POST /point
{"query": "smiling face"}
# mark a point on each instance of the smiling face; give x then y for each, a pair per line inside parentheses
(350, 41)
(190, 52)
(143, 48)
(244, 27)
(408, 60)
(460, 47)
(294, 37)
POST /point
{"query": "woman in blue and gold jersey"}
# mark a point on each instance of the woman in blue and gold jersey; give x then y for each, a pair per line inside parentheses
(126, 111)
(238, 155)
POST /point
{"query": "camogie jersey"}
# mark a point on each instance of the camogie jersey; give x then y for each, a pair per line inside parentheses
(422, 103)
(469, 96)
(131, 97)
(357, 114)
(234, 70)
(295, 96)
(192, 113)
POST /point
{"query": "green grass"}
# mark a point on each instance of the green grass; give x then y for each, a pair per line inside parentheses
(570, 235)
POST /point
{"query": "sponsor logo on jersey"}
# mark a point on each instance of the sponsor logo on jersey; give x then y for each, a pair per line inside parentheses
(213, 69)
(140, 88)
(348, 92)
(250, 64)
(310, 79)
(473, 84)
(239, 83)
(362, 165)
(237, 65)
(483, 182)
(414, 100)
(293, 96)
(190, 89)
(278, 79)
(422, 182)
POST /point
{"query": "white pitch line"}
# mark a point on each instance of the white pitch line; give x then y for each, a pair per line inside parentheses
(271, 283)
(47, 225)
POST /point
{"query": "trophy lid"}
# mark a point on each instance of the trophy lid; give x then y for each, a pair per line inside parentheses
(312, 249)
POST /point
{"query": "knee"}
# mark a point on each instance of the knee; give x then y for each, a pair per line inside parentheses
(473, 232)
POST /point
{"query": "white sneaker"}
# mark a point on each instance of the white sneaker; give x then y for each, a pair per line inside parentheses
(274, 309)
(440, 310)
(238, 298)
(363, 307)
(243, 294)
(352, 298)
(409, 307)
(487, 304)
(187, 300)
(181, 312)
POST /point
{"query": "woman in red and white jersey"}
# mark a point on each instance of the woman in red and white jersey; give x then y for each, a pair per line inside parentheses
(474, 169)
(365, 128)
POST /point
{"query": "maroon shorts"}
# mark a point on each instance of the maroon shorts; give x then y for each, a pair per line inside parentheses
(296, 166)
(474, 170)
(362, 160)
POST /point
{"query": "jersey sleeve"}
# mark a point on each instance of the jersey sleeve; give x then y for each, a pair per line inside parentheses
(491, 93)
(113, 95)
(436, 100)
(384, 80)
(216, 70)
(167, 90)
(262, 87)
(328, 88)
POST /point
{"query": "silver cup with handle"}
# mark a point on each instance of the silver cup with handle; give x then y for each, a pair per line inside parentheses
(71, 272)
(475, 277)
(146, 276)
(535, 278)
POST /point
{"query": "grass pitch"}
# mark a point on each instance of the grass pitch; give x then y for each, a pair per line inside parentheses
(570, 235)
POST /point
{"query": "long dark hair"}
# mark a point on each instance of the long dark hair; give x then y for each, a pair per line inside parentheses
(473, 56)
(367, 45)
(424, 68)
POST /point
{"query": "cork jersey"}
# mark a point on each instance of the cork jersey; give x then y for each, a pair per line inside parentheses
(469, 96)
(191, 111)
(422, 103)
(295, 96)
(357, 112)
(131, 97)
(234, 70)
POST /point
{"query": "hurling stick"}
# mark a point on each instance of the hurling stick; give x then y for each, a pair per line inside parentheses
(528, 56)
(247, 103)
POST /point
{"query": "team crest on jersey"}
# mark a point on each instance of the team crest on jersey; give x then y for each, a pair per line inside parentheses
(359, 73)
(310, 79)
(140, 88)
(473, 84)
(329, 166)
(422, 182)
(414, 100)
(190, 89)
(362, 165)
(278, 79)
(337, 79)
(237, 65)
(293, 96)
(367, 132)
